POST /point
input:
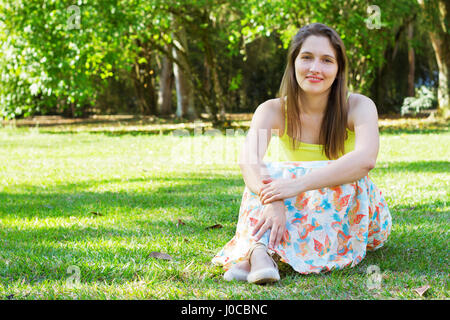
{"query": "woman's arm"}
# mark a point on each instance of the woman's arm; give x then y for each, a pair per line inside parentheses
(255, 145)
(254, 171)
(348, 168)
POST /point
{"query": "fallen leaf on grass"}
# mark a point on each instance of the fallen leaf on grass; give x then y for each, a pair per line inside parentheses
(421, 291)
(96, 213)
(180, 223)
(160, 255)
(216, 226)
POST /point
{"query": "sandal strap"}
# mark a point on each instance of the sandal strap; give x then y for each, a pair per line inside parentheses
(259, 245)
(253, 247)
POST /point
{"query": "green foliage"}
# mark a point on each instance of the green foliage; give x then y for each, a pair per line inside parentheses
(54, 53)
(424, 99)
(62, 57)
(45, 61)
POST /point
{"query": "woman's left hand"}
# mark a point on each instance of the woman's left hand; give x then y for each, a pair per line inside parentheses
(278, 189)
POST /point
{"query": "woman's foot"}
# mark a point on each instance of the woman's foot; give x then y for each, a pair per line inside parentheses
(238, 272)
(263, 268)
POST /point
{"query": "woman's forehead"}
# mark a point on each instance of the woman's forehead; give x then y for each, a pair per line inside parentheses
(318, 45)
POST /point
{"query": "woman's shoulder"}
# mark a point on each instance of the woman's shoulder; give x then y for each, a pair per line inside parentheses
(357, 103)
(273, 110)
(272, 105)
(355, 98)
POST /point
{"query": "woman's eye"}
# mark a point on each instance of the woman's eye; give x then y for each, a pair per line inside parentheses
(306, 57)
(328, 61)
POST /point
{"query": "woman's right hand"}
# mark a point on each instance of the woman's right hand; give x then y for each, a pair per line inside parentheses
(274, 218)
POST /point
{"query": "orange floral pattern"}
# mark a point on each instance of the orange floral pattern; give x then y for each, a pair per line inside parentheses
(326, 229)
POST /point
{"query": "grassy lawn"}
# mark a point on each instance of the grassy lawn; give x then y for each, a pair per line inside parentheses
(100, 202)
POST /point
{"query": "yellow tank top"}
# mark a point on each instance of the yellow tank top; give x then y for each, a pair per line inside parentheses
(282, 149)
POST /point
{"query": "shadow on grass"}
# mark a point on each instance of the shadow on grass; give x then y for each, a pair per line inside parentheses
(112, 248)
(113, 253)
(433, 128)
(146, 219)
(197, 192)
(414, 166)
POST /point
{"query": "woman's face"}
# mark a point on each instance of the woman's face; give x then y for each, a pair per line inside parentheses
(316, 65)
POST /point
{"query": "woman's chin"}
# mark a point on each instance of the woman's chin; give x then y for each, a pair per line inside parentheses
(314, 89)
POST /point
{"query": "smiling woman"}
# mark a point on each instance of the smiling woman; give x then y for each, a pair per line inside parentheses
(316, 207)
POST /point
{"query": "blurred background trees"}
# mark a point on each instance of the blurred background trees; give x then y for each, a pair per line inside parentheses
(204, 58)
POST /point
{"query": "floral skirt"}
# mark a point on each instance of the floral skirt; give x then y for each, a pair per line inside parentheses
(326, 229)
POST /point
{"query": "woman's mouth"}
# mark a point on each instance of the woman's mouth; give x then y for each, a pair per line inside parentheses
(314, 79)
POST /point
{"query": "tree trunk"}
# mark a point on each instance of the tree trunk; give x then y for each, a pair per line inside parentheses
(219, 93)
(217, 107)
(442, 53)
(144, 89)
(143, 80)
(438, 12)
(185, 97)
(211, 105)
(411, 61)
(165, 88)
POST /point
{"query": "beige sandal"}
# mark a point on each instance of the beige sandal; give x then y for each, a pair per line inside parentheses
(265, 275)
(235, 274)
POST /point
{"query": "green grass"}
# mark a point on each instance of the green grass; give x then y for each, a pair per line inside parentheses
(103, 202)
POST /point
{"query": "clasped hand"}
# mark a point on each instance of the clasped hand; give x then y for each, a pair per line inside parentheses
(272, 194)
(278, 189)
(274, 218)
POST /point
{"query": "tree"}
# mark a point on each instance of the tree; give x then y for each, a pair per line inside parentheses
(437, 17)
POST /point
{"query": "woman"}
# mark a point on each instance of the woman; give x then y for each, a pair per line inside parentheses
(316, 208)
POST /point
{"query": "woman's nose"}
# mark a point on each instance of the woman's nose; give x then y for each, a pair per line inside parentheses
(314, 66)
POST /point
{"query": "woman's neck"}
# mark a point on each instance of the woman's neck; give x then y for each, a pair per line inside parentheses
(314, 105)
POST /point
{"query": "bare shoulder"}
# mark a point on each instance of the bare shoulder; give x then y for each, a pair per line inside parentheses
(269, 114)
(360, 108)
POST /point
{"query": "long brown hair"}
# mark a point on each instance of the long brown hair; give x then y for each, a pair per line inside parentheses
(333, 128)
